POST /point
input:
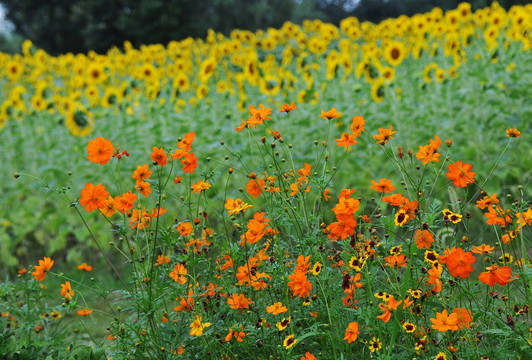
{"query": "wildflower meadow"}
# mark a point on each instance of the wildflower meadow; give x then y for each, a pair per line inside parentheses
(307, 192)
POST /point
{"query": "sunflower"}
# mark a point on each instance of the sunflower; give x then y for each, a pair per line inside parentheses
(491, 34)
(394, 53)
(251, 71)
(429, 71)
(207, 69)
(95, 73)
(148, 72)
(92, 93)
(377, 90)
(3, 121)
(181, 83)
(38, 103)
(388, 73)
(362, 67)
(64, 105)
(14, 70)
(80, 122)
(317, 46)
(270, 85)
(440, 75)
(268, 43)
(112, 97)
(372, 72)
(202, 91)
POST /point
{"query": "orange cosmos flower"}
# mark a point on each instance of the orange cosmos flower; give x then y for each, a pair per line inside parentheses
(331, 114)
(496, 274)
(435, 277)
(125, 202)
(255, 186)
(444, 322)
(197, 327)
(384, 185)
(93, 197)
(277, 308)
(482, 249)
(258, 116)
(498, 216)
(184, 228)
(186, 303)
(509, 236)
(459, 263)
(109, 208)
(142, 173)
(299, 284)
(255, 232)
(357, 126)
(143, 187)
(344, 227)
(100, 150)
(162, 259)
(288, 108)
(464, 317)
(395, 199)
(84, 312)
(513, 133)
(428, 153)
(384, 135)
(346, 140)
(44, 266)
(352, 332)
(200, 186)
(236, 206)
(460, 174)
(242, 126)
(423, 239)
(239, 302)
(302, 263)
(396, 261)
(85, 267)
(387, 308)
(308, 356)
(239, 335)
(186, 143)
(523, 218)
(179, 274)
(66, 291)
(326, 195)
(158, 156)
(190, 163)
(346, 193)
(487, 201)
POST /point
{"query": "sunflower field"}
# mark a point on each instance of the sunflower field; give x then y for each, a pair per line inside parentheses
(307, 192)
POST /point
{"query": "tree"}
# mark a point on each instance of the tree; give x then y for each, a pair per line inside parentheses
(59, 26)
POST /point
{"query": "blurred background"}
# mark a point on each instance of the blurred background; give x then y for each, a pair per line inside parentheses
(61, 26)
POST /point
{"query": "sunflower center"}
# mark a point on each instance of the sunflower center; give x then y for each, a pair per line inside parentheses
(395, 54)
(80, 118)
